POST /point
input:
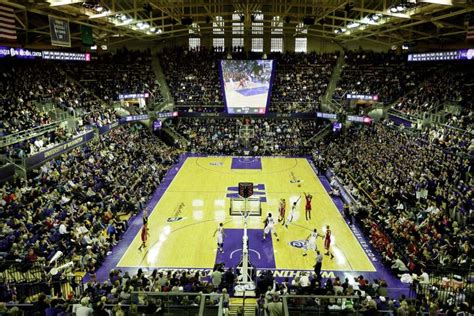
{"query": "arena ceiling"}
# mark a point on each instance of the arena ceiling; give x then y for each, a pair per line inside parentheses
(385, 22)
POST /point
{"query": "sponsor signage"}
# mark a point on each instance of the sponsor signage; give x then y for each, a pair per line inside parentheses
(45, 54)
(43, 156)
(166, 114)
(365, 97)
(331, 116)
(57, 55)
(359, 119)
(134, 118)
(462, 54)
(134, 96)
(106, 128)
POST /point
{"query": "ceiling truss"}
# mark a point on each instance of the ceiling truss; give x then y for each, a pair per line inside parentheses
(429, 21)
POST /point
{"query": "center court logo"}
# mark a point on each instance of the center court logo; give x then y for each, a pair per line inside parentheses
(297, 243)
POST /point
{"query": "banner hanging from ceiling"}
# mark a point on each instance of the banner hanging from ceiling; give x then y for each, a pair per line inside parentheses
(60, 33)
(86, 35)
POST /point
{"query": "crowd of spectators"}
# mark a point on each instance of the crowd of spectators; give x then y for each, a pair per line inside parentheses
(193, 77)
(36, 93)
(301, 81)
(258, 136)
(123, 293)
(124, 72)
(76, 203)
(448, 85)
(22, 83)
(384, 74)
(40, 143)
(450, 139)
(415, 198)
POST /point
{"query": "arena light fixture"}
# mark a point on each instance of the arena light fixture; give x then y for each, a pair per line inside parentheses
(57, 3)
(353, 25)
(441, 2)
(100, 15)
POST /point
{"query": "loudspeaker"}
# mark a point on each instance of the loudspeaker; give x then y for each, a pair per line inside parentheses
(186, 21)
(309, 20)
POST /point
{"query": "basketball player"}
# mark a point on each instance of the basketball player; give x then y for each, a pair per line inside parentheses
(145, 216)
(311, 241)
(242, 84)
(144, 235)
(269, 227)
(308, 198)
(290, 217)
(220, 237)
(282, 211)
(327, 242)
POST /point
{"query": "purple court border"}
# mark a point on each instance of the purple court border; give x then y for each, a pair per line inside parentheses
(135, 224)
(395, 287)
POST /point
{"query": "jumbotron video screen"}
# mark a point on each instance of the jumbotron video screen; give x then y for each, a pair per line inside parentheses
(247, 85)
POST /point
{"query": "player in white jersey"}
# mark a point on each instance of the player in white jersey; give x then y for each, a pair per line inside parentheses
(269, 227)
(292, 214)
(220, 237)
(311, 241)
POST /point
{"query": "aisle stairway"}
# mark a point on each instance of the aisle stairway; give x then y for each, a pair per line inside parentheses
(164, 89)
(237, 307)
(336, 74)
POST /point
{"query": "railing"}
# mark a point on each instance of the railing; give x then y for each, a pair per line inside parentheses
(361, 189)
(179, 303)
(30, 279)
(322, 133)
(28, 134)
(448, 284)
(402, 115)
(320, 305)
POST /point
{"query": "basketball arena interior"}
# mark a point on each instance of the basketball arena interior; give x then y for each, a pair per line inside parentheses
(218, 157)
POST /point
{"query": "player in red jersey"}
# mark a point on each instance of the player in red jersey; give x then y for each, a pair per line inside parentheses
(144, 235)
(282, 210)
(308, 198)
(327, 242)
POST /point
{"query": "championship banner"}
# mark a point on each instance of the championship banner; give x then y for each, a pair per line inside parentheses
(86, 35)
(60, 33)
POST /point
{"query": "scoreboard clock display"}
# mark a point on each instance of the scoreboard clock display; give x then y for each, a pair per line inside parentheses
(245, 189)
